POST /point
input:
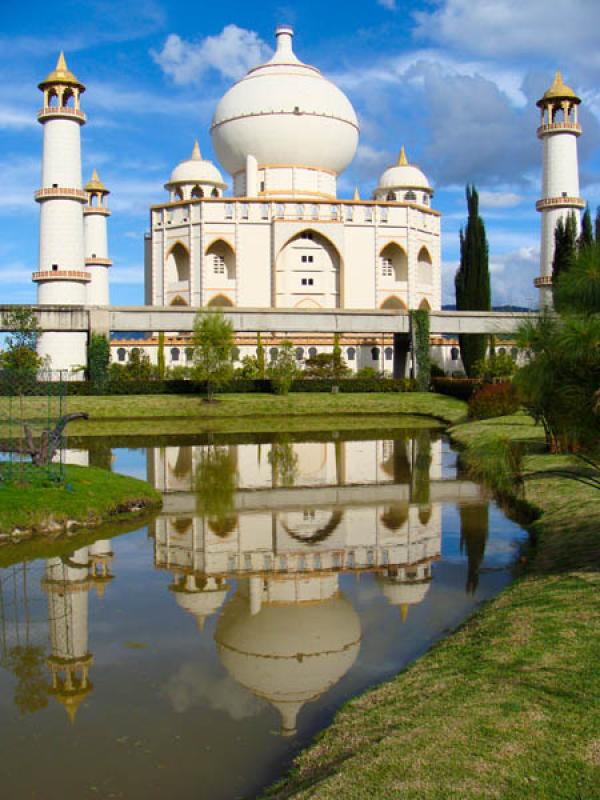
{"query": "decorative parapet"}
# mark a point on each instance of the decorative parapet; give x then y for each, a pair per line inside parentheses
(60, 192)
(98, 262)
(559, 202)
(542, 280)
(100, 210)
(49, 112)
(61, 275)
(559, 127)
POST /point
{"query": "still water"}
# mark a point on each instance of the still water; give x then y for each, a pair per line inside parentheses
(195, 656)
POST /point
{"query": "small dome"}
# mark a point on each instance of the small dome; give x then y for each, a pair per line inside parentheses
(558, 91)
(404, 176)
(95, 184)
(61, 74)
(200, 602)
(399, 594)
(196, 170)
(285, 113)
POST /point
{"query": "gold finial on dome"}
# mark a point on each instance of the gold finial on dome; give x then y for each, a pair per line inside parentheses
(356, 197)
(95, 184)
(196, 154)
(402, 160)
(404, 612)
(61, 74)
(559, 91)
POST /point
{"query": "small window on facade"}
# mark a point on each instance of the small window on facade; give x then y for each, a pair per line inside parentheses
(300, 210)
(280, 210)
(121, 353)
(312, 352)
(311, 259)
(215, 192)
(306, 235)
(410, 196)
(349, 213)
(425, 199)
(264, 211)
(273, 352)
(502, 351)
(390, 197)
(564, 194)
(334, 212)
(245, 210)
(389, 353)
(368, 214)
(54, 267)
(304, 281)
(262, 186)
(384, 215)
(454, 354)
(351, 354)
(375, 353)
(299, 353)
(303, 259)
(218, 264)
(197, 192)
(315, 212)
(174, 354)
(235, 353)
(228, 211)
(189, 353)
(514, 353)
(387, 269)
(178, 194)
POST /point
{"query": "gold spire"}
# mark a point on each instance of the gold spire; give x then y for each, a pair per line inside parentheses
(559, 91)
(356, 197)
(95, 184)
(402, 160)
(71, 704)
(62, 75)
(196, 154)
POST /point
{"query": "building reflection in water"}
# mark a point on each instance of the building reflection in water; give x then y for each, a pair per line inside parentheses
(284, 522)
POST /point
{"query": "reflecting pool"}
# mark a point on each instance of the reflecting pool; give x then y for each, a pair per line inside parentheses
(195, 656)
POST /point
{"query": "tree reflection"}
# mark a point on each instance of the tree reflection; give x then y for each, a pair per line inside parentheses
(26, 662)
(215, 483)
(474, 527)
(284, 462)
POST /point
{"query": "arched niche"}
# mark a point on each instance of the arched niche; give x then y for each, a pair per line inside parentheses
(178, 264)
(394, 303)
(220, 301)
(394, 263)
(178, 300)
(308, 272)
(424, 305)
(424, 266)
(221, 262)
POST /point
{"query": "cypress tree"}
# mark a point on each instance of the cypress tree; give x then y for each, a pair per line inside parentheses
(472, 280)
(586, 237)
(597, 226)
(565, 246)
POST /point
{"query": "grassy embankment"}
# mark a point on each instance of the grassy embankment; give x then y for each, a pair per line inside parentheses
(509, 706)
(161, 414)
(88, 497)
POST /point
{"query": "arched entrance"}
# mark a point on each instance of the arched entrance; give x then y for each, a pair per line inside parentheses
(308, 269)
(177, 274)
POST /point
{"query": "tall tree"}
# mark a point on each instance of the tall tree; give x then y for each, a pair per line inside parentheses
(586, 237)
(213, 342)
(597, 226)
(565, 248)
(472, 281)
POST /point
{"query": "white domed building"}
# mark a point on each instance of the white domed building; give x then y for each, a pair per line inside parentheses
(284, 239)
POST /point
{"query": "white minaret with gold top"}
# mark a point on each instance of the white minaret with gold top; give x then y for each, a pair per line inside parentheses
(558, 130)
(62, 278)
(97, 262)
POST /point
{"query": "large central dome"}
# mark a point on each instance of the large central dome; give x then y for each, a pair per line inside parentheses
(285, 112)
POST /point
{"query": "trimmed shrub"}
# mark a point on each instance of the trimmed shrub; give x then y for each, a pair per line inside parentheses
(461, 388)
(494, 400)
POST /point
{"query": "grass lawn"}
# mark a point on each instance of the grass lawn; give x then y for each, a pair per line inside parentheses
(121, 413)
(507, 707)
(88, 496)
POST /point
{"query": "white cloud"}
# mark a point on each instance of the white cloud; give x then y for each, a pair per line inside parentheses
(389, 4)
(193, 685)
(499, 199)
(231, 54)
(12, 119)
(513, 28)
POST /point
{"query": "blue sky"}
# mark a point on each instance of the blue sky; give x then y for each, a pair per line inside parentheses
(454, 80)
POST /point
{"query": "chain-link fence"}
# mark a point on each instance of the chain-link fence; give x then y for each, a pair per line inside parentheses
(32, 442)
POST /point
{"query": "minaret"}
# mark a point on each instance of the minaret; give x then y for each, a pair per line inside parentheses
(97, 261)
(61, 276)
(67, 583)
(559, 129)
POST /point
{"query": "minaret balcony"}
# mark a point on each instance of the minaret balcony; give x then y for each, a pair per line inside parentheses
(543, 280)
(98, 262)
(53, 112)
(60, 192)
(559, 202)
(101, 211)
(559, 127)
(61, 275)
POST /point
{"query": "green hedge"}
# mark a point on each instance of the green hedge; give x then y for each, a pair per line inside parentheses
(462, 388)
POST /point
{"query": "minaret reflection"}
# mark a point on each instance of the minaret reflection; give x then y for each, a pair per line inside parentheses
(67, 582)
